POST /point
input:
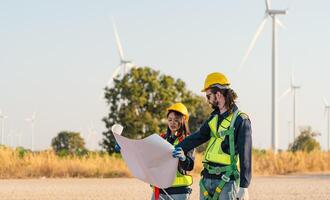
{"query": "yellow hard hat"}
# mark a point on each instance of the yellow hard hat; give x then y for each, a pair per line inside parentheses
(179, 107)
(215, 78)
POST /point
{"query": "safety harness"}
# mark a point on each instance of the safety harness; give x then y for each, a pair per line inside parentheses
(226, 128)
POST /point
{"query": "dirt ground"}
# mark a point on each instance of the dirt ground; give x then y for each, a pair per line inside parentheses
(312, 186)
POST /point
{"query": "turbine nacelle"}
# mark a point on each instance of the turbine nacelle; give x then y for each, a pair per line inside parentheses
(124, 62)
(273, 12)
(276, 12)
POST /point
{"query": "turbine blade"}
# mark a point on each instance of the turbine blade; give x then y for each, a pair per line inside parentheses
(287, 91)
(267, 4)
(116, 72)
(119, 47)
(253, 42)
(113, 75)
(278, 22)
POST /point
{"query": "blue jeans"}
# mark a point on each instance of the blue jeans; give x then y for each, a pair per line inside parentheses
(228, 192)
(173, 196)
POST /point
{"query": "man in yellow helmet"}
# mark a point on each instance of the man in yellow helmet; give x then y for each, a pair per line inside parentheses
(228, 131)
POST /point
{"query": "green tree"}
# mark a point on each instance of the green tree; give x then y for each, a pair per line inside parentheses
(139, 100)
(305, 141)
(68, 143)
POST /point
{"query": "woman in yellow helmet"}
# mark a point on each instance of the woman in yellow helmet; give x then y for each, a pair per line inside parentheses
(177, 130)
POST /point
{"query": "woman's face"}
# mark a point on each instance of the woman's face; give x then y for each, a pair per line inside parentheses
(173, 122)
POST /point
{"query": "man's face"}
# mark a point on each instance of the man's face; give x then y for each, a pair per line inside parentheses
(211, 99)
(217, 100)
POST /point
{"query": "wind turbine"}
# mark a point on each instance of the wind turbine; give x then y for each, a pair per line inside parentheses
(327, 112)
(124, 64)
(272, 13)
(289, 122)
(2, 118)
(293, 87)
(32, 121)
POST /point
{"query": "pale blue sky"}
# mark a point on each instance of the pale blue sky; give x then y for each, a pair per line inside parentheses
(56, 56)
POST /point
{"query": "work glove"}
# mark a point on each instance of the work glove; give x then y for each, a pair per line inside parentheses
(117, 148)
(242, 194)
(178, 153)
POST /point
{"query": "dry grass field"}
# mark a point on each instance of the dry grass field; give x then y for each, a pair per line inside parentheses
(14, 164)
(311, 186)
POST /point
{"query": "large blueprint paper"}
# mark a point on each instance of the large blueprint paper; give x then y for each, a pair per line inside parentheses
(149, 159)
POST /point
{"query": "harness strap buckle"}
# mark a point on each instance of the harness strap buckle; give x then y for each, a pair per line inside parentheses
(217, 170)
(225, 178)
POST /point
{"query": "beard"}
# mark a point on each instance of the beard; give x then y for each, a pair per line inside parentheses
(214, 105)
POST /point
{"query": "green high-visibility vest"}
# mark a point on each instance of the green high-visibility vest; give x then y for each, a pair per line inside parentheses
(214, 153)
(181, 179)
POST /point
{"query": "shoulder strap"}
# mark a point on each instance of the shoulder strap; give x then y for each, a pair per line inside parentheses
(233, 119)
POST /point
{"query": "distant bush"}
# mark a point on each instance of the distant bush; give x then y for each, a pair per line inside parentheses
(69, 143)
(21, 151)
(305, 141)
(258, 151)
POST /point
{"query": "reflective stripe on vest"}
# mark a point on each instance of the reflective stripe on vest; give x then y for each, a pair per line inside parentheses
(214, 153)
(182, 180)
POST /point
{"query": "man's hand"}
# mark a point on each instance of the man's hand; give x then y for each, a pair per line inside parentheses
(242, 194)
(178, 153)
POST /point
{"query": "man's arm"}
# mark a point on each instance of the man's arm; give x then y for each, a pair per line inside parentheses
(244, 144)
(196, 139)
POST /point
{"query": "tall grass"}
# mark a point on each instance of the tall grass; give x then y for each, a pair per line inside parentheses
(269, 163)
(48, 164)
(14, 164)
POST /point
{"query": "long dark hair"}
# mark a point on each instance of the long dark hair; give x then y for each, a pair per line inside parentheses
(229, 95)
(184, 128)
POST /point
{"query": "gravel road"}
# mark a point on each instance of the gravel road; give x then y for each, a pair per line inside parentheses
(315, 186)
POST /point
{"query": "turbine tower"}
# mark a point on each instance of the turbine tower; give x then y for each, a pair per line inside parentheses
(124, 64)
(2, 118)
(327, 112)
(32, 121)
(272, 13)
(293, 88)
